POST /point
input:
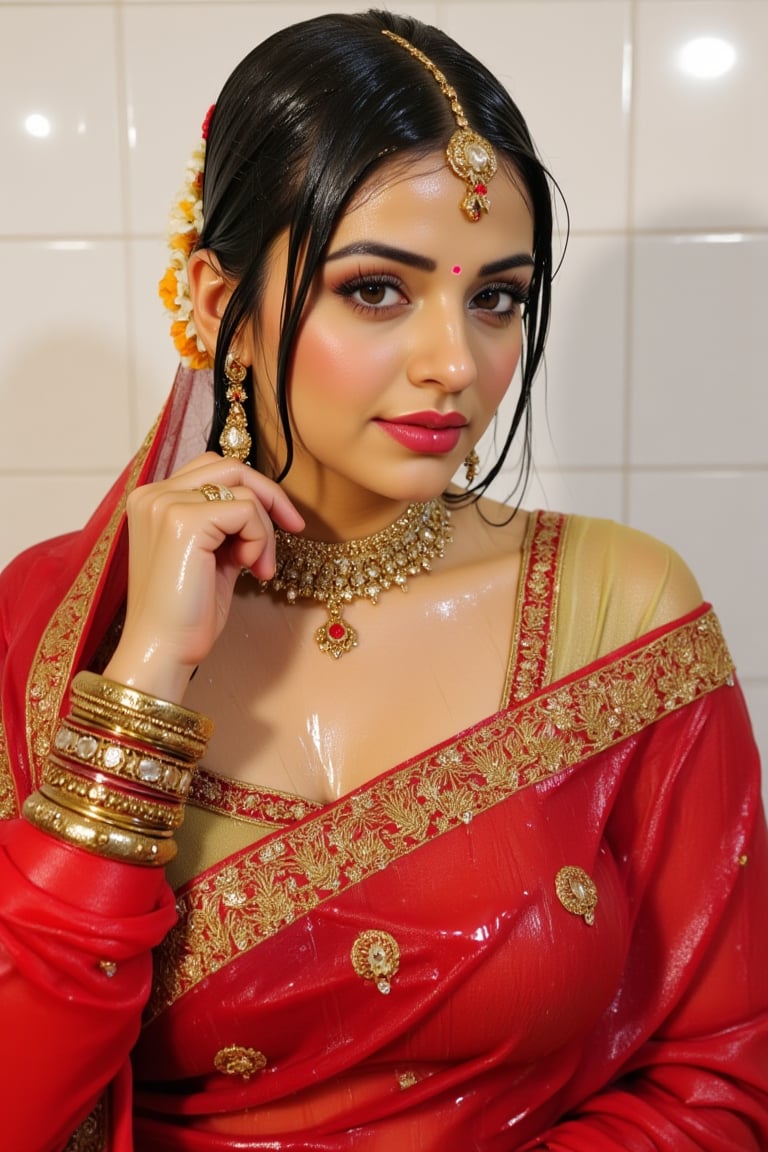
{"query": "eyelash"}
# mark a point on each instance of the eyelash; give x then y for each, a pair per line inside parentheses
(517, 292)
(350, 287)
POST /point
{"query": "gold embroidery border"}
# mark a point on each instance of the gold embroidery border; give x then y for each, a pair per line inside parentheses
(233, 907)
(51, 667)
(530, 663)
(243, 801)
(9, 804)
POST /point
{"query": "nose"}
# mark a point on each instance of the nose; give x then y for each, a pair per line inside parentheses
(440, 353)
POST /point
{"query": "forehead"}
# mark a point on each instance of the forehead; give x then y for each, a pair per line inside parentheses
(419, 198)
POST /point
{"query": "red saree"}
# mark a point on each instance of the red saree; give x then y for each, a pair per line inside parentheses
(547, 932)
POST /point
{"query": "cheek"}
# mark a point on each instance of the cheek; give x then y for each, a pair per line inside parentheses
(497, 374)
(347, 367)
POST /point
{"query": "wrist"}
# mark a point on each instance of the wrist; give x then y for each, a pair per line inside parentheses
(119, 771)
(144, 670)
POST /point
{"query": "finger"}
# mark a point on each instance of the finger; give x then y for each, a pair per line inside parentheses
(212, 469)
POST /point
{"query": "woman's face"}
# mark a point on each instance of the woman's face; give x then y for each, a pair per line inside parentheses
(408, 342)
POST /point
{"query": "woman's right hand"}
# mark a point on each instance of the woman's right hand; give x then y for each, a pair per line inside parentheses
(185, 554)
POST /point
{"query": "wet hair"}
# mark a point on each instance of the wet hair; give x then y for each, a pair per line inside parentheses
(303, 121)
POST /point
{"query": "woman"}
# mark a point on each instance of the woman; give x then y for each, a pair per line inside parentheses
(477, 867)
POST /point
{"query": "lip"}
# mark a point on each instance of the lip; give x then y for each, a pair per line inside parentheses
(428, 433)
(434, 420)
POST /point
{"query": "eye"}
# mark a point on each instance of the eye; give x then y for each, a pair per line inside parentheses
(501, 300)
(373, 293)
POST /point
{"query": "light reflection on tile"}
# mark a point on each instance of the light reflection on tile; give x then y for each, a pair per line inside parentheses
(700, 158)
(67, 180)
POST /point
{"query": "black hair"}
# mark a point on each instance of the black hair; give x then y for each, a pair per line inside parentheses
(301, 123)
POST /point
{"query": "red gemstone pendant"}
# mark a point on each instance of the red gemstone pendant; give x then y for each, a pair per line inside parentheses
(336, 637)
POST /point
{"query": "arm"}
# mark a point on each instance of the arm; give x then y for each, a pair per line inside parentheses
(76, 929)
(76, 934)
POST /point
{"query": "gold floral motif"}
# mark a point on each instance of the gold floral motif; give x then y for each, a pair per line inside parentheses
(343, 844)
(91, 1135)
(52, 665)
(531, 658)
(234, 1060)
(375, 956)
(576, 892)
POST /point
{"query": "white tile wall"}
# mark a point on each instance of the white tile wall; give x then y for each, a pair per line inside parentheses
(655, 409)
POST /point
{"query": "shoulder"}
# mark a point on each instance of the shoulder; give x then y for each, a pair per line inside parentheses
(617, 584)
(634, 566)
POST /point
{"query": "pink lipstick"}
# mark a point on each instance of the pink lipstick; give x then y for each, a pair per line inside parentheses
(434, 433)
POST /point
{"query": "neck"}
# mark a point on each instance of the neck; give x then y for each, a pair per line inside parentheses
(350, 516)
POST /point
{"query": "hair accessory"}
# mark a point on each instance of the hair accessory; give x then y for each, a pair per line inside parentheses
(235, 439)
(471, 465)
(469, 155)
(215, 492)
(184, 227)
(336, 573)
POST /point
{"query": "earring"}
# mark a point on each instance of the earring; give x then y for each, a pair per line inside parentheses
(471, 465)
(235, 440)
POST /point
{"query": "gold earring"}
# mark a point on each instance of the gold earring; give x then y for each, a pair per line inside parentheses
(471, 465)
(235, 440)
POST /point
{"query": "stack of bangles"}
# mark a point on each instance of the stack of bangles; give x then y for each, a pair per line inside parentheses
(119, 772)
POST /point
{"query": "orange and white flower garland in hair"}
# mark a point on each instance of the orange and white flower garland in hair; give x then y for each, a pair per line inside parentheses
(184, 227)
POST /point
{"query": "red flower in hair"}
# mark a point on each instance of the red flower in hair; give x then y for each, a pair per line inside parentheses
(207, 121)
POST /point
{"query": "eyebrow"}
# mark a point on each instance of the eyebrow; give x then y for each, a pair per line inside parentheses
(521, 260)
(413, 260)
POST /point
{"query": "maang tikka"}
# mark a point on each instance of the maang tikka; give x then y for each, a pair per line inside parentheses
(469, 155)
(235, 439)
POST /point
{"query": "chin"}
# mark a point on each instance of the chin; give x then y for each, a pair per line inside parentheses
(419, 491)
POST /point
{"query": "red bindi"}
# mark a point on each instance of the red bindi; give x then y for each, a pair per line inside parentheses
(456, 269)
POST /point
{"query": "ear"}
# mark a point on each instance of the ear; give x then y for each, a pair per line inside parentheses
(210, 292)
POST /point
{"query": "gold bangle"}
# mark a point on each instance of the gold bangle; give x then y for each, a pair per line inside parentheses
(166, 725)
(148, 770)
(96, 837)
(102, 815)
(99, 802)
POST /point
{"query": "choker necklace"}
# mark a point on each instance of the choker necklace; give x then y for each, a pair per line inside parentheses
(335, 574)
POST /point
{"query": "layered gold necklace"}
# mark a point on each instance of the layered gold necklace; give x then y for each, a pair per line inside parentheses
(335, 574)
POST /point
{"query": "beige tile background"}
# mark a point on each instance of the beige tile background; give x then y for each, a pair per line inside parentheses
(655, 406)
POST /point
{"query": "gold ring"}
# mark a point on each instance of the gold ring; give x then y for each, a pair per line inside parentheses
(215, 492)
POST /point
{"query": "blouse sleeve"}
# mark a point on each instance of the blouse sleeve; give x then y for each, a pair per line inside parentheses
(691, 1017)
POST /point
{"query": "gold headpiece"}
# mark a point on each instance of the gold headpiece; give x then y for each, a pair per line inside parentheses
(469, 155)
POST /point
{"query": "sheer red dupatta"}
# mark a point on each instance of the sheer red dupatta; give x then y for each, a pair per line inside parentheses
(64, 911)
